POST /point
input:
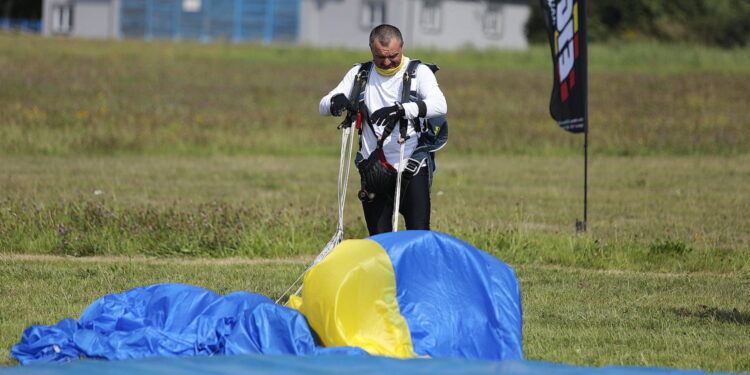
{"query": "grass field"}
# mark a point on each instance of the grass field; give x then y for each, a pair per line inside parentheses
(520, 208)
(67, 97)
(571, 315)
(129, 163)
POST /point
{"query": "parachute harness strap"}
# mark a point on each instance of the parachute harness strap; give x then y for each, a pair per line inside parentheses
(405, 90)
(397, 200)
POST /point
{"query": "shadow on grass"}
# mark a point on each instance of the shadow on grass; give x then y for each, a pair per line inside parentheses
(720, 315)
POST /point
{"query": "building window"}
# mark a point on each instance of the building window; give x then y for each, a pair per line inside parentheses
(431, 17)
(372, 13)
(62, 18)
(492, 22)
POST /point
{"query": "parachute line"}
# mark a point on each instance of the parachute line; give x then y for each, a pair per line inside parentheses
(347, 143)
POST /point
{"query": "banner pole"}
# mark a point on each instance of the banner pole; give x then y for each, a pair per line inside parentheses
(586, 174)
(586, 114)
(581, 226)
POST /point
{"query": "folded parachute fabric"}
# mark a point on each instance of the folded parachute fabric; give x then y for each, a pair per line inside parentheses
(172, 320)
(414, 293)
(404, 294)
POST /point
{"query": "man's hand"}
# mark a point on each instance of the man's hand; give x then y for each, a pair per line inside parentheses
(388, 117)
(339, 103)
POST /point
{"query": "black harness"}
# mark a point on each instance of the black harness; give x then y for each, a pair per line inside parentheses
(377, 176)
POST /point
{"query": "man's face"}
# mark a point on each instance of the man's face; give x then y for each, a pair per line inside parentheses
(386, 57)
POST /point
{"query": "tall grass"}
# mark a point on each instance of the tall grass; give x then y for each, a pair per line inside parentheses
(521, 209)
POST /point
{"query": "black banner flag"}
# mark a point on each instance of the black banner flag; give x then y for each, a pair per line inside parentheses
(566, 28)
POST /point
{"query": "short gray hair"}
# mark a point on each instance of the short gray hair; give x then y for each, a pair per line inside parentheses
(384, 33)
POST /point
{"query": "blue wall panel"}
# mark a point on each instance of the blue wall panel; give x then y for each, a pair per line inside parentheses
(230, 20)
(133, 19)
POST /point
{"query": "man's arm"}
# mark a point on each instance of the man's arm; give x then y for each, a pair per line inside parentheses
(344, 87)
(431, 101)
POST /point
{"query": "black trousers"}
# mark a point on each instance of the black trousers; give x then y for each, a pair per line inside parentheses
(415, 207)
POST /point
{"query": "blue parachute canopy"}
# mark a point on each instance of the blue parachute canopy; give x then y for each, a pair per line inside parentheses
(442, 298)
(172, 320)
(457, 300)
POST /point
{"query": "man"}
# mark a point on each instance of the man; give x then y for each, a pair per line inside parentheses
(384, 114)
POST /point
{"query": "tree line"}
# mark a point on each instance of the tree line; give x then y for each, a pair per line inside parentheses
(724, 23)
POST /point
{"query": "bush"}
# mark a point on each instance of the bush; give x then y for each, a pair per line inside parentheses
(669, 247)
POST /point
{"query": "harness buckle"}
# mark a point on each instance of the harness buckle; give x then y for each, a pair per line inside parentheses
(412, 166)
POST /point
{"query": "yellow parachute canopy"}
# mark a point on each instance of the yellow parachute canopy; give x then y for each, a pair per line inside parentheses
(338, 296)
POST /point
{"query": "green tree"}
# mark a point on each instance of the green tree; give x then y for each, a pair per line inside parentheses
(724, 23)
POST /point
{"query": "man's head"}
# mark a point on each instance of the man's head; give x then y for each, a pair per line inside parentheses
(385, 44)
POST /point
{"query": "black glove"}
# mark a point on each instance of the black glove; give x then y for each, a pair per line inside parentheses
(351, 116)
(388, 117)
(339, 103)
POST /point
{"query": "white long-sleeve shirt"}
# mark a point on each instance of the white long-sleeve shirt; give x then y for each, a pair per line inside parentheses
(384, 91)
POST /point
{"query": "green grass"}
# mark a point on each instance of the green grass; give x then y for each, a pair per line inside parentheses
(72, 97)
(622, 56)
(573, 316)
(643, 319)
(521, 209)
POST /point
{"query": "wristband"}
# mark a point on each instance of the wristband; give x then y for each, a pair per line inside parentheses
(422, 108)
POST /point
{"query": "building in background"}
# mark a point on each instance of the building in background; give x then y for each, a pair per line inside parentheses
(205, 20)
(81, 18)
(439, 24)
